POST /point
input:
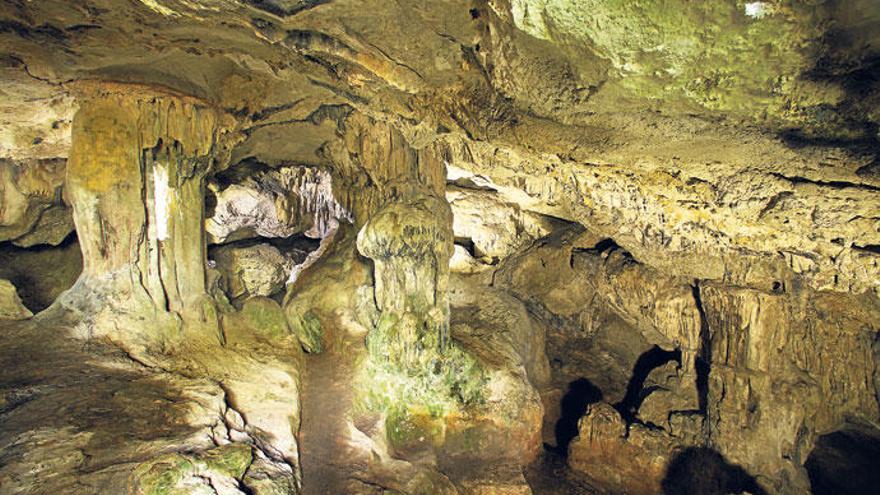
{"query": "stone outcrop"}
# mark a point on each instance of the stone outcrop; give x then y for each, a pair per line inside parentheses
(755, 238)
(490, 228)
(32, 209)
(11, 307)
(254, 270)
(220, 420)
(786, 366)
(729, 339)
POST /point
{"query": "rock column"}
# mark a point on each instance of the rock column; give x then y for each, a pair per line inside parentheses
(135, 178)
(410, 243)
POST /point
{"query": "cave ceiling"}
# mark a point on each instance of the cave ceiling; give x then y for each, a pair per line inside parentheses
(750, 126)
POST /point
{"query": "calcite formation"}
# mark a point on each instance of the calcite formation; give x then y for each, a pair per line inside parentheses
(448, 247)
(276, 204)
(143, 249)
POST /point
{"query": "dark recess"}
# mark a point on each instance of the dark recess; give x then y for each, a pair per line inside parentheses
(703, 471)
(635, 390)
(285, 8)
(846, 461)
(39, 273)
(581, 393)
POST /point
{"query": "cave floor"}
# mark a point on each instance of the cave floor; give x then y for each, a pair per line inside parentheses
(550, 475)
(77, 416)
(326, 398)
(82, 416)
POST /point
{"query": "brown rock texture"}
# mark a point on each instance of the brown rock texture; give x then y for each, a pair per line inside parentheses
(499, 246)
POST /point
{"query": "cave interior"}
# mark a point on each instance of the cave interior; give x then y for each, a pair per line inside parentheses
(456, 247)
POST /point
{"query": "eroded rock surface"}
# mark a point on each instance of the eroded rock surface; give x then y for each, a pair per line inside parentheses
(132, 427)
(33, 211)
(643, 232)
(11, 307)
(255, 270)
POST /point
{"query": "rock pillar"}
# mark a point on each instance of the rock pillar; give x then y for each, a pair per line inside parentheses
(135, 178)
(410, 243)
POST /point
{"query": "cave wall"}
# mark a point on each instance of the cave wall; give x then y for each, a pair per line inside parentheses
(697, 181)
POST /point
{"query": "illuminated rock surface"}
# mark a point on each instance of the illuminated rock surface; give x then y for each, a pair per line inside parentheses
(451, 247)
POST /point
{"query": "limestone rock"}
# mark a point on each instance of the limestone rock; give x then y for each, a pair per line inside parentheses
(410, 244)
(669, 391)
(11, 307)
(253, 270)
(32, 210)
(39, 130)
(142, 426)
(629, 459)
(135, 178)
(738, 240)
(331, 291)
(276, 203)
(495, 228)
(762, 342)
(691, 180)
(259, 318)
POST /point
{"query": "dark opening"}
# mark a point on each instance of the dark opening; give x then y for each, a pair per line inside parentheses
(701, 364)
(41, 273)
(468, 244)
(703, 471)
(845, 461)
(600, 247)
(581, 393)
(635, 393)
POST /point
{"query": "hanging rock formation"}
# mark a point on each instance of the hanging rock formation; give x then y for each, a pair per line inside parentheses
(548, 246)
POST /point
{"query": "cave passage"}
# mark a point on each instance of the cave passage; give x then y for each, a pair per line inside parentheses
(549, 247)
(845, 461)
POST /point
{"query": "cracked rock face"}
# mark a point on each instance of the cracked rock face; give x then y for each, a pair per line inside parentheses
(459, 246)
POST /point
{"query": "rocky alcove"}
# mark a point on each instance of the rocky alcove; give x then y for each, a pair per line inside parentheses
(450, 247)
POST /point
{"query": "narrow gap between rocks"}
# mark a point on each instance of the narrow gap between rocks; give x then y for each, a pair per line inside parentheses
(581, 393)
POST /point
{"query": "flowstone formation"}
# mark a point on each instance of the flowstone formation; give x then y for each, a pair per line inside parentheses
(135, 177)
(454, 247)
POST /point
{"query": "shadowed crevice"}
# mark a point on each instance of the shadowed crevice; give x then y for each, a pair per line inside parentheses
(703, 471)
